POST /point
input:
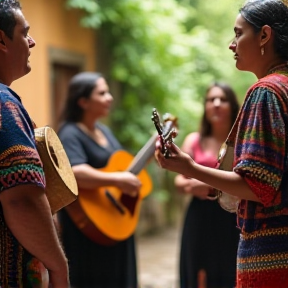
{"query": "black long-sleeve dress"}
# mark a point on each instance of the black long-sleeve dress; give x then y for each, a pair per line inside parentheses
(93, 265)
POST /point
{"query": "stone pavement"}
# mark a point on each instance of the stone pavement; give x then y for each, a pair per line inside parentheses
(157, 257)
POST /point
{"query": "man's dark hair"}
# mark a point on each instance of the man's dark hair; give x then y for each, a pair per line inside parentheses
(7, 16)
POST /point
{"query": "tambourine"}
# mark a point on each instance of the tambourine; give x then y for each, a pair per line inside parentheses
(225, 162)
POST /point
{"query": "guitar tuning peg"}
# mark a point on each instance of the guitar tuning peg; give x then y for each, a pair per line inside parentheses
(156, 120)
(169, 117)
(166, 130)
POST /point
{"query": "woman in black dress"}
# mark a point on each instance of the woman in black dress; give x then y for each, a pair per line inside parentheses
(210, 237)
(89, 145)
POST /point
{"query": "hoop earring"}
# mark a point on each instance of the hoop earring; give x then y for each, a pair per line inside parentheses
(262, 51)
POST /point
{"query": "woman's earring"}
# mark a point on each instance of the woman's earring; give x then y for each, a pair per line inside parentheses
(262, 51)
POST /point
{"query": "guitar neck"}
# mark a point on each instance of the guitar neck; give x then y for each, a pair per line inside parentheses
(143, 156)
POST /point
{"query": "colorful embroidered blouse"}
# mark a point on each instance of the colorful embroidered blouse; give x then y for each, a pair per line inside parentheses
(261, 158)
(261, 153)
(19, 165)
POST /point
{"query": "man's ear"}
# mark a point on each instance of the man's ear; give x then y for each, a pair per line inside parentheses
(266, 33)
(2, 41)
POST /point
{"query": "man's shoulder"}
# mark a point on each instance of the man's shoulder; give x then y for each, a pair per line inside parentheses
(4, 91)
(3, 87)
(7, 94)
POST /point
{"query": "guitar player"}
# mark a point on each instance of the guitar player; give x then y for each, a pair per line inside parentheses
(89, 145)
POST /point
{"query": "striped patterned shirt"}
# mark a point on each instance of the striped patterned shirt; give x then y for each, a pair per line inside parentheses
(20, 164)
(261, 158)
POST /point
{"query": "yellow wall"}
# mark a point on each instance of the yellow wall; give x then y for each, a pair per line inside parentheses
(52, 25)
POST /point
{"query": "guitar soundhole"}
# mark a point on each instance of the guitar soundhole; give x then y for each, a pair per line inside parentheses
(114, 202)
(53, 156)
(125, 200)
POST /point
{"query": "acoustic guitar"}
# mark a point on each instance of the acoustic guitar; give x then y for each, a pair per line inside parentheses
(107, 215)
(61, 186)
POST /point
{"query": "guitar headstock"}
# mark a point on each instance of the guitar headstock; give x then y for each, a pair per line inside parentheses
(167, 129)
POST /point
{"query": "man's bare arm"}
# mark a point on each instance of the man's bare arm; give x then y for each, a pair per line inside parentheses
(28, 216)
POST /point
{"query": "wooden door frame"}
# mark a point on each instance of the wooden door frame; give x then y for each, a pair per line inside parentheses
(62, 57)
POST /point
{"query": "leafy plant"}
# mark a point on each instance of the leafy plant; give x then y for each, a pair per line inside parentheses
(159, 54)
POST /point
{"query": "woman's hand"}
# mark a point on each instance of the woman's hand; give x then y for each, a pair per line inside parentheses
(128, 183)
(178, 161)
(192, 187)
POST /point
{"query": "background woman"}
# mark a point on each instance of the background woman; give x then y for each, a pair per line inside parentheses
(260, 166)
(89, 145)
(210, 237)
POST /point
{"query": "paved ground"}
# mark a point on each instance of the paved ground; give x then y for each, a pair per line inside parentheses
(158, 259)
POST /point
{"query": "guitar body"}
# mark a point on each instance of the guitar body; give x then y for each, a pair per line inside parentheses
(61, 186)
(107, 215)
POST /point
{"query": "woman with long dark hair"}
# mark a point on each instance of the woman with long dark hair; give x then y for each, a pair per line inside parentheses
(89, 145)
(257, 186)
(210, 237)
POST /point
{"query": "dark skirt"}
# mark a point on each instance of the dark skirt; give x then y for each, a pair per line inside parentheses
(209, 241)
(95, 266)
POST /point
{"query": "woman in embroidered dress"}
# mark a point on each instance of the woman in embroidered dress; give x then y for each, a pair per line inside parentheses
(208, 250)
(259, 178)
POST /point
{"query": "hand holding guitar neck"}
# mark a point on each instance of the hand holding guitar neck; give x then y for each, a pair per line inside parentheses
(166, 131)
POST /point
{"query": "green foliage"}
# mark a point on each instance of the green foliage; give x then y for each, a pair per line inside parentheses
(162, 54)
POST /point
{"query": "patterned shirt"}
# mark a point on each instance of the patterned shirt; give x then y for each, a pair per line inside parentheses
(20, 164)
(261, 153)
(261, 158)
